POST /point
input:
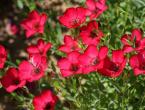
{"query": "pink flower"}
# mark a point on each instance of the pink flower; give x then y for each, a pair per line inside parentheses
(95, 8)
(45, 101)
(40, 48)
(3, 56)
(133, 42)
(11, 80)
(14, 29)
(34, 23)
(69, 45)
(92, 59)
(34, 69)
(73, 17)
(113, 67)
(70, 65)
(91, 34)
(137, 62)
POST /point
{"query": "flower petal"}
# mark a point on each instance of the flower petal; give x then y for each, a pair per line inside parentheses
(117, 56)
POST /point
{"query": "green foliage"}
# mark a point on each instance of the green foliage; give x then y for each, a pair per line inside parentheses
(92, 91)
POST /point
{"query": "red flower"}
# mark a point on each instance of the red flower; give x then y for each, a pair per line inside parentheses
(69, 45)
(3, 56)
(70, 65)
(33, 70)
(95, 8)
(11, 80)
(137, 63)
(114, 67)
(34, 23)
(92, 59)
(40, 48)
(73, 17)
(91, 34)
(133, 42)
(45, 101)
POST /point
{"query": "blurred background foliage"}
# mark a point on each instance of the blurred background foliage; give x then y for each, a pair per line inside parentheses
(82, 92)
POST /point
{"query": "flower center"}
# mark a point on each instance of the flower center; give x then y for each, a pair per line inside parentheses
(16, 82)
(37, 70)
(96, 10)
(74, 67)
(95, 61)
(94, 33)
(75, 22)
(47, 107)
(36, 26)
(143, 67)
(73, 48)
(114, 67)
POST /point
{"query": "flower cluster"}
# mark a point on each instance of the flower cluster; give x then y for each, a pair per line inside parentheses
(74, 17)
(84, 52)
(28, 70)
(90, 58)
(34, 68)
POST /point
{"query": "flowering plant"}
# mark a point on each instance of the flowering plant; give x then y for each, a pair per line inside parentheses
(82, 59)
